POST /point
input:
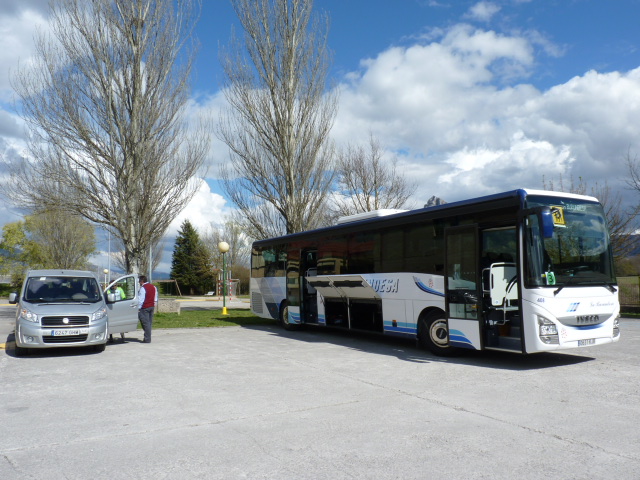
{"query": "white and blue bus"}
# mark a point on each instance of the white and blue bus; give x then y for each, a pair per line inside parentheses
(521, 271)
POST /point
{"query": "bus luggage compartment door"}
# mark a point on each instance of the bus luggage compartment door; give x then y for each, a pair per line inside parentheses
(349, 301)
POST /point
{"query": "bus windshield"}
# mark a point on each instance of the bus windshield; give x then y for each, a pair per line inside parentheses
(578, 253)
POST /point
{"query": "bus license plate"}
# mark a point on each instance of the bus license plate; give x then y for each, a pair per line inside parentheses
(67, 332)
(588, 341)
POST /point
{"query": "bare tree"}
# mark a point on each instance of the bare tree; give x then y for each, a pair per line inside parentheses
(367, 182)
(622, 222)
(46, 240)
(104, 102)
(239, 244)
(157, 251)
(63, 241)
(279, 117)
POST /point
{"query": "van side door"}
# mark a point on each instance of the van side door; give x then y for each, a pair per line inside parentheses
(123, 314)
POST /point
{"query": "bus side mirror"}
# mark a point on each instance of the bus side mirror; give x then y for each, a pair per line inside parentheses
(546, 221)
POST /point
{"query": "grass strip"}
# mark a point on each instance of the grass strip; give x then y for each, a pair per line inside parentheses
(208, 318)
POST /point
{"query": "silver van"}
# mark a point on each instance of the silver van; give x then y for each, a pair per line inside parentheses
(66, 308)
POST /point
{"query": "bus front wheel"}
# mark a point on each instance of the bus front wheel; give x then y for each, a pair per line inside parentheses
(433, 334)
(284, 319)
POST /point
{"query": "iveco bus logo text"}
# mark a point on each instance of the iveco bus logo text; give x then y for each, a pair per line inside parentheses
(587, 319)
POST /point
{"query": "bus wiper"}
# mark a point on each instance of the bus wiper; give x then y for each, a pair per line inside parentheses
(567, 283)
(608, 286)
(557, 291)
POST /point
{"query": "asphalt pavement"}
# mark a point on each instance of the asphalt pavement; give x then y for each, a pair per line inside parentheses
(264, 403)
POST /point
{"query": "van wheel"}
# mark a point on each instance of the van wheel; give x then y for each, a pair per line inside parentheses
(284, 319)
(433, 334)
(20, 351)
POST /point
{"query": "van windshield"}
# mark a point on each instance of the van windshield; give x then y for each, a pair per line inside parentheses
(62, 289)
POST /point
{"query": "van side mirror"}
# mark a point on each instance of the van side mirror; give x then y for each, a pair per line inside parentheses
(13, 298)
(111, 298)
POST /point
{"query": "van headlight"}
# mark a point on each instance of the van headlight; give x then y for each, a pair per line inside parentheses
(99, 314)
(28, 315)
(548, 331)
(616, 326)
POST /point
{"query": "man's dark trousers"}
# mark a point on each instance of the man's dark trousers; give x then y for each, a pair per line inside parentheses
(145, 315)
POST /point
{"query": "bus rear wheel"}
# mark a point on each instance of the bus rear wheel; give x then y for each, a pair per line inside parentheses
(433, 334)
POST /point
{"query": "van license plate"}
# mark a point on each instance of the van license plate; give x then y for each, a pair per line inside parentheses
(67, 332)
(588, 341)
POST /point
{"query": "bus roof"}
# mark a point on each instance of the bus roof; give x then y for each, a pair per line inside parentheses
(503, 199)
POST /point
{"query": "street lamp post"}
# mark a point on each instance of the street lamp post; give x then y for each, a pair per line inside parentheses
(105, 271)
(223, 247)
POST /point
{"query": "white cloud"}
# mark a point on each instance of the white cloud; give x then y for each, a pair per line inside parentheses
(206, 208)
(17, 32)
(482, 11)
(464, 127)
(11, 7)
(11, 126)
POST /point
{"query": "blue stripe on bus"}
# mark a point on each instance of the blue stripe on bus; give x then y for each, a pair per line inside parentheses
(424, 288)
(391, 329)
(588, 327)
(459, 339)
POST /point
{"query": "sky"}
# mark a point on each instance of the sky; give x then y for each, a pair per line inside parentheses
(471, 97)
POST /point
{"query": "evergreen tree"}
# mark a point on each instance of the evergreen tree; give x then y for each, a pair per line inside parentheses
(187, 262)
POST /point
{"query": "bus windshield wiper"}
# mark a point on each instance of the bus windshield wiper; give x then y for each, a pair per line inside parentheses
(566, 284)
(608, 286)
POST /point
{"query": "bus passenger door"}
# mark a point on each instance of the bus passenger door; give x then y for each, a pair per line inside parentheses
(501, 302)
(462, 287)
(309, 295)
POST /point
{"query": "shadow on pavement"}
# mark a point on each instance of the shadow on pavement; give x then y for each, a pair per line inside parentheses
(407, 350)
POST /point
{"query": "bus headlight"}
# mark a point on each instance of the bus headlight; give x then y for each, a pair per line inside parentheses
(616, 326)
(548, 331)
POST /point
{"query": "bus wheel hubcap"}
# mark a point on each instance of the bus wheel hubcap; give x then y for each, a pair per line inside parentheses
(439, 333)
